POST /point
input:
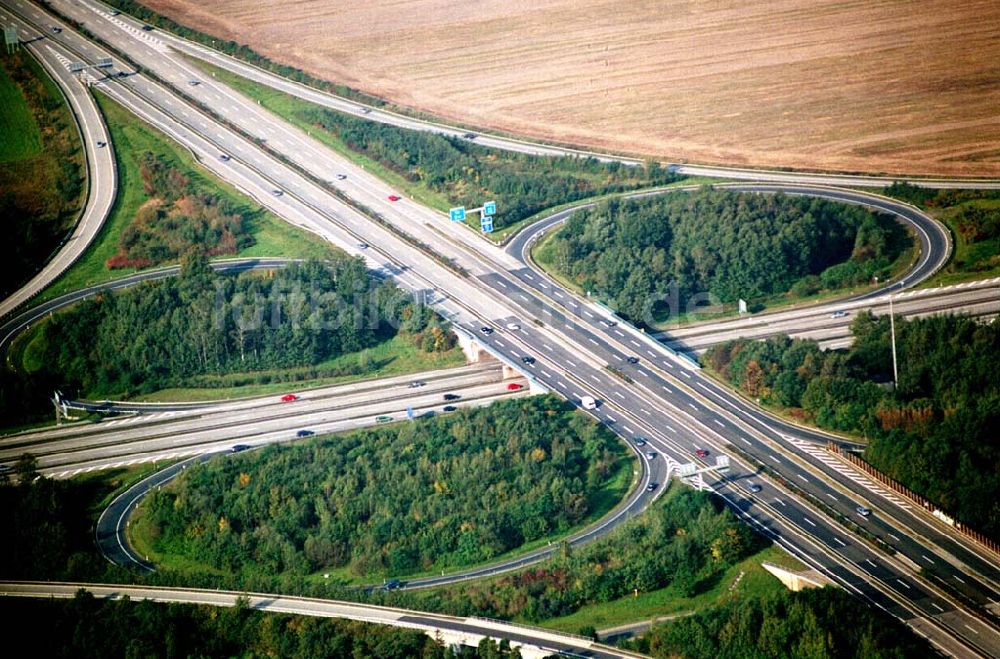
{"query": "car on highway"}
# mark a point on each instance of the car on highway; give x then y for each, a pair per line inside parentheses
(225, 157)
(513, 327)
(632, 360)
(416, 383)
(341, 177)
(392, 584)
(194, 83)
(650, 455)
(114, 12)
(101, 144)
(527, 359)
(513, 386)
(608, 323)
(287, 398)
(486, 331)
(448, 408)
(639, 441)
(701, 453)
(864, 512)
(651, 487)
(277, 193)
(469, 136)
(394, 197)
(365, 110)
(304, 433)
(55, 29)
(384, 418)
(451, 396)
(362, 245)
(838, 314)
(147, 28)
(753, 487)
(239, 447)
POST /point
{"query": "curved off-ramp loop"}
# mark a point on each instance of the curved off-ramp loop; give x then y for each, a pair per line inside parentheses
(101, 172)
(534, 642)
(934, 238)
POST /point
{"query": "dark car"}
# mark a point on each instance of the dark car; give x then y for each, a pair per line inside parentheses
(486, 330)
(240, 447)
(469, 136)
(416, 383)
(101, 144)
(753, 487)
(341, 177)
(305, 433)
(147, 28)
(451, 396)
(528, 360)
(392, 584)
(56, 30)
(639, 441)
(651, 487)
(277, 193)
(632, 360)
(448, 408)
(225, 157)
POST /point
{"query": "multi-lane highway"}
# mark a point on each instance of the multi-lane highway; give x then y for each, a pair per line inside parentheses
(169, 432)
(534, 642)
(662, 398)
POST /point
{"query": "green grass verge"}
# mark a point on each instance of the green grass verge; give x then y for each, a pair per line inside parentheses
(396, 356)
(142, 537)
(131, 137)
(969, 261)
(755, 582)
(21, 136)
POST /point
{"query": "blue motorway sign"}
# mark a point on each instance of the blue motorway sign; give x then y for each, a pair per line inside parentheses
(457, 214)
(487, 224)
(409, 413)
(490, 208)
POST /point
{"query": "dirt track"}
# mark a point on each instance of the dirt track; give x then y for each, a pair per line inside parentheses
(865, 85)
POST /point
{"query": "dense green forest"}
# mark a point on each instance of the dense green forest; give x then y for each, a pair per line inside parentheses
(48, 527)
(824, 623)
(177, 217)
(160, 333)
(469, 174)
(938, 433)
(41, 169)
(85, 627)
(731, 245)
(443, 492)
(684, 542)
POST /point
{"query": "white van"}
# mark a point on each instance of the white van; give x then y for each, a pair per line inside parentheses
(588, 402)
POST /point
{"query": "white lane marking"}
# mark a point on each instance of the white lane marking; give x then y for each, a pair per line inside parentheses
(545, 373)
(627, 429)
(499, 343)
(719, 423)
(523, 296)
(635, 343)
(645, 411)
(830, 495)
(593, 341)
(547, 347)
(839, 541)
(669, 427)
(804, 479)
(960, 578)
(612, 419)
(619, 334)
(894, 537)
(970, 628)
(618, 357)
(775, 458)
(557, 293)
(500, 283)
(685, 374)
(642, 372)
(869, 561)
(781, 502)
(595, 379)
(529, 275)
(668, 389)
(571, 364)
(619, 394)
(904, 584)
(651, 353)
(563, 385)
(935, 605)
(692, 406)
(923, 556)
(589, 315)
(809, 522)
(743, 439)
(543, 284)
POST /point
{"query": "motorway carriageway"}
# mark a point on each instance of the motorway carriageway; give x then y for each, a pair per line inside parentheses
(169, 435)
(797, 529)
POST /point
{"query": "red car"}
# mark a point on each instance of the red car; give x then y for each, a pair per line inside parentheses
(701, 453)
(513, 386)
(287, 398)
(393, 197)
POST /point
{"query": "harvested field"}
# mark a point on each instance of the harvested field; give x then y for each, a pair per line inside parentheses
(907, 86)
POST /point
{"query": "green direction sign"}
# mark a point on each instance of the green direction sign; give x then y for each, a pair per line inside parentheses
(490, 208)
(457, 214)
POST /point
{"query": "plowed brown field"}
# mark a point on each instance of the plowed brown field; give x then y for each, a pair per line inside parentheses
(857, 85)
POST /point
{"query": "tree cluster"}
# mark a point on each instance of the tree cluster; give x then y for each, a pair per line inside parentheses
(938, 432)
(824, 623)
(160, 333)
(444, 492)
(85, 627)
(685, 543)
(176, 219)
(470, 174)
(731, 245)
